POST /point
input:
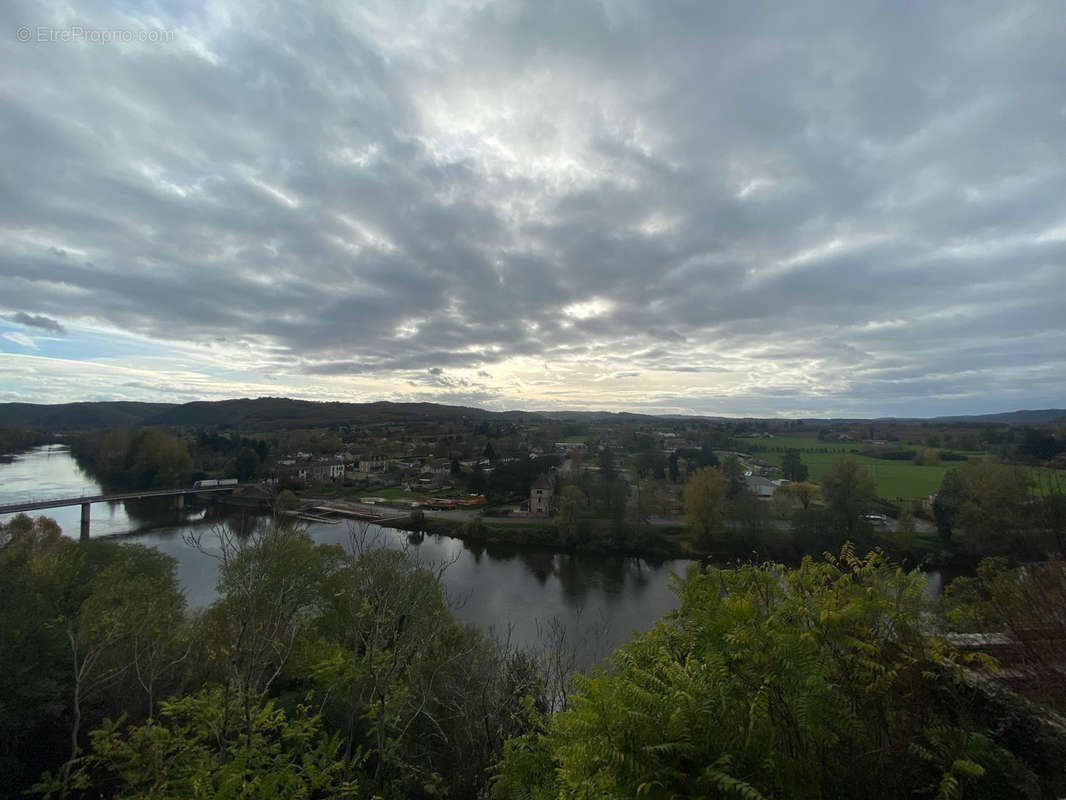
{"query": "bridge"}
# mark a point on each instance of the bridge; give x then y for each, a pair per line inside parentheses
(86, 501)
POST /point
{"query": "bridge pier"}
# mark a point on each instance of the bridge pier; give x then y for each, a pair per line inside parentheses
(179, 501)
(85, 520)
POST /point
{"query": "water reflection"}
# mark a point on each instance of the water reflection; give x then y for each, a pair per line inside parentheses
(516, 592)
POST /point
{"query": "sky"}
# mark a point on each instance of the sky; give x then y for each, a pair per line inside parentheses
(816, 209)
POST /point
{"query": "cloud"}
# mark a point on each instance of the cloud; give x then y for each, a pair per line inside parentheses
(20, 339)
(757, 213)
(34, 321)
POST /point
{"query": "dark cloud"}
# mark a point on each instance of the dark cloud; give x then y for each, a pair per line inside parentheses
(834, 206)
(37, 321)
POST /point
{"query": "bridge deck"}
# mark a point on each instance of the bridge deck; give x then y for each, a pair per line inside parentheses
(36, 505)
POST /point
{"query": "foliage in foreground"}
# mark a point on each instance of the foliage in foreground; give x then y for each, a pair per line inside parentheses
(179, 755)
(815, 682)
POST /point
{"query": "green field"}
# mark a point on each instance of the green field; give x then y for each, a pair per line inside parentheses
(894, 479)
(391, 493)
(795, 442)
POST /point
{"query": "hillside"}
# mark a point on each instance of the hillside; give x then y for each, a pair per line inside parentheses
(267, 413)
(78, 416)
(264, 413)
(1022, 417)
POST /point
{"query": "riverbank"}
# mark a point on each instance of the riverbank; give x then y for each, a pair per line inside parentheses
(659, 539)
(657, 542)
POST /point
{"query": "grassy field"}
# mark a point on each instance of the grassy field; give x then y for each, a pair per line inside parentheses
(391, 493)
(894, 479)
(901, 479)
(1047, 481)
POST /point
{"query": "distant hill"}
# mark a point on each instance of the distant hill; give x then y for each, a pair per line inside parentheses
(274, 413)
(265, 413)
(79, 416)
(1024, 417)
(597, 417)
(262, 414)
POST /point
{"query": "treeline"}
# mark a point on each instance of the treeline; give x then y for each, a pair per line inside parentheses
(1001, 509)
(14, 440)
(510, 479)
(231, 456)
(985, 508)
(1032, 444)
(125, 459)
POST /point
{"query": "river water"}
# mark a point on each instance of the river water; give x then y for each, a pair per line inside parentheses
(598, 600)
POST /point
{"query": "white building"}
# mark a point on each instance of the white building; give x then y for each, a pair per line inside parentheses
(373, 463)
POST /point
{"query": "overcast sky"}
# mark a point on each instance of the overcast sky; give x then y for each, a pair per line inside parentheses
(831, 208)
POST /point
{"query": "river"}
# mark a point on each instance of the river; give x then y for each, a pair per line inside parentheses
(599, 600)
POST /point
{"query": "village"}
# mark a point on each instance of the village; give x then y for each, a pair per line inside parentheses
(613, 483)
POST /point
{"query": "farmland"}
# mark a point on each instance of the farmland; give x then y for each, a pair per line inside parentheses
(894, 479)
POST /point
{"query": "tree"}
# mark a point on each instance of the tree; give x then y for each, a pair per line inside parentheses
(803, 493)
(160, 459)
(734, 473)
(475, 483)
(990, 501)
(782, 502)
(286, 755)
(286, 500)
(126, 599)
(705, 495)
(707, 457)
(33, 705)
(247, 464)
(947, 505)
(608, 470)
(642, 463)
(995, 511)
(792, 466)
(928, 457)
(848, 490)
(572, 504)
(396, 636)
(270, 583)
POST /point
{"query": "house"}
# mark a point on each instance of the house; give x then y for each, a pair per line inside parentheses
(759, 486)
(540, 496)
(437, 466)
(325, 471)
(373, 463)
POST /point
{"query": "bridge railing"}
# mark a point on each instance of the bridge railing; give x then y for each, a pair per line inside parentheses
(99, 497)
(33, 498)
